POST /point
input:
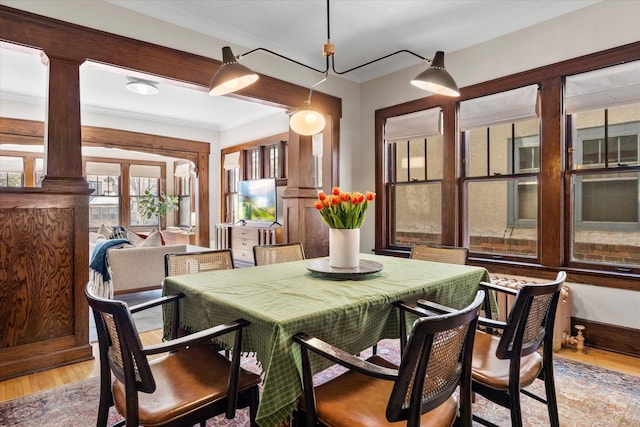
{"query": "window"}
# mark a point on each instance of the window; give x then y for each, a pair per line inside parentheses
(596, 193)
(502, 146)
(108, 204)
(231, 165)
(541, 168)
(258, 159)
(183, 190)
(141, 179)
(603, 107)
(11, 171)
(414, 177)
(523, 193)
(104, 202)
(265, 161)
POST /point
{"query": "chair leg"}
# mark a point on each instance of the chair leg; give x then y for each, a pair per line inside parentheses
(103, 412)
(106, 399)
(550, 390)
(514, 403)
(253, 407)
(374, 349)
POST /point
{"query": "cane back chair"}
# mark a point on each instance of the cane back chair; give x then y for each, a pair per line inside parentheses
(176, 264)
(503, 365)
(275, 254)
(189, 384)
(374, 392)
(448, 254)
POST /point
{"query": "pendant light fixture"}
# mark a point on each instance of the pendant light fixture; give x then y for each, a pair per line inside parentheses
(307, 121)
(231, 76)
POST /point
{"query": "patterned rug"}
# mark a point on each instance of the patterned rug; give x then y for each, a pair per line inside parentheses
(588, 396)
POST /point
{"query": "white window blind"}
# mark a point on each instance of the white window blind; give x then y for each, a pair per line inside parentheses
(11, 164)
(183, 170)
(420, 124)
(232, 160)
(607, 87)
(504, 107)
(103, 169)
(144, 171)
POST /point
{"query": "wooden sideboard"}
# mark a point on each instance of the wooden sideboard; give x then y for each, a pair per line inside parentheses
(242, 238)
(179, 237)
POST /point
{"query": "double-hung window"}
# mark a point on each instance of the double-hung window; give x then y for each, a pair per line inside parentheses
(413, 182)
(141, 179)
(501, 146)
(104, 202)
(603, 110)
(183, 191)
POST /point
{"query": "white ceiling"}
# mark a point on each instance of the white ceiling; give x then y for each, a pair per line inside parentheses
(361, 30)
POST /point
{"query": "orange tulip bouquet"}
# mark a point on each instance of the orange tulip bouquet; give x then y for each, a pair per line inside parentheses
(343, 210)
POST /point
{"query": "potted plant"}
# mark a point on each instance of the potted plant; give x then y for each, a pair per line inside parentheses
(150, 206)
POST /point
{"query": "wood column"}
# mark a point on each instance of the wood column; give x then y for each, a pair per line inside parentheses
(451, 173)
(551, 192)
(63, 139)
(302, 222)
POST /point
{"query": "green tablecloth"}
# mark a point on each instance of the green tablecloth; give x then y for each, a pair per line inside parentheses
(283, 299)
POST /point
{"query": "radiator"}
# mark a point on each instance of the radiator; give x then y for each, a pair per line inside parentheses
(266, 236)
(563, 313)
(221, 236)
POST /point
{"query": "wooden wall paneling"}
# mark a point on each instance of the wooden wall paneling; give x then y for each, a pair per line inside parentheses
(43, 312)
(609, 337)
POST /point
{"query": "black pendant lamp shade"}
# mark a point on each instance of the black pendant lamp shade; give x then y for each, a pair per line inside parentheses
(436, 79)
(231, 76)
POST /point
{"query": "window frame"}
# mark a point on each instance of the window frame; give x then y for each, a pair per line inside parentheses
(125, 198)
(553, 192)
(255, 163)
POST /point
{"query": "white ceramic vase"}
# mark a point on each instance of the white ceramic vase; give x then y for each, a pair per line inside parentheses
(344, 247)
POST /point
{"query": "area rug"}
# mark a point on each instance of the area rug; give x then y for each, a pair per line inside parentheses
(588, 396)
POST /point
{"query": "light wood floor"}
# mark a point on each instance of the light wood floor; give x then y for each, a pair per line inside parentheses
(33, 383)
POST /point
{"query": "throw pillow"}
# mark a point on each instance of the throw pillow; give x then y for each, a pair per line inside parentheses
(105, 231)
(135, 239)
(153, 239)
(118, 232)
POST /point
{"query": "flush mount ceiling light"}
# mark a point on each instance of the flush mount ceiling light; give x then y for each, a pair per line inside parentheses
(232, 77)
(142, 87)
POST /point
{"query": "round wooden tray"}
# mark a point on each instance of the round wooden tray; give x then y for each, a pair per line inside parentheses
(322, 268)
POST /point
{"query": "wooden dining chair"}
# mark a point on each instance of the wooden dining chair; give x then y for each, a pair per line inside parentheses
(504, 364)
(448, 254)
(176, 264)
(275, 254)
(189, 384)
(420, 391)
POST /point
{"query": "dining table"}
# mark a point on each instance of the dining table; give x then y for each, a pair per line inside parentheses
(351, 311)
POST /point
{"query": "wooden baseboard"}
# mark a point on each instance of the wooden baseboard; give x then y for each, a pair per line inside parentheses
(619, 339)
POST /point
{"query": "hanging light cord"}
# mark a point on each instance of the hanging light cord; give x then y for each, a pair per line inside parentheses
(329, 53)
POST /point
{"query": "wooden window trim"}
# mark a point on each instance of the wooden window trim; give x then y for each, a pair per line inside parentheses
(554, 240)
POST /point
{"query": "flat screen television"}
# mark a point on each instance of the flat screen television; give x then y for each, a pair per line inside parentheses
(257, 200)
